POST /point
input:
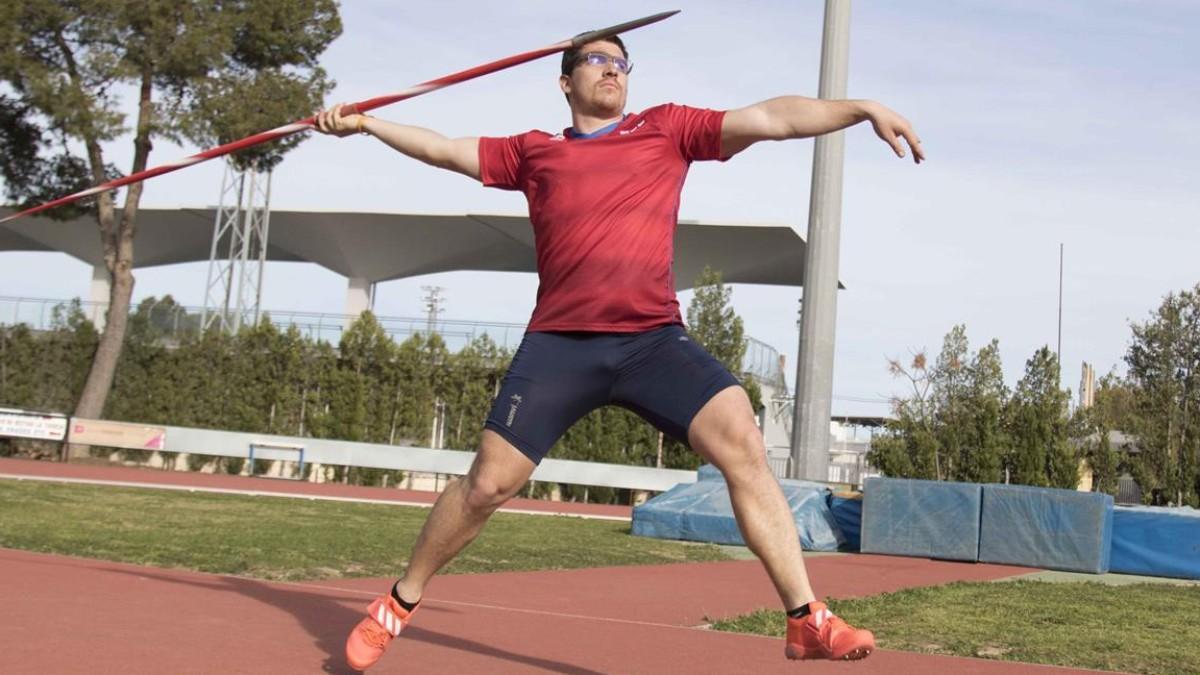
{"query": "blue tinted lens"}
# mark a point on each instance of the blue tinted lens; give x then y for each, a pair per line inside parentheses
(599, 59)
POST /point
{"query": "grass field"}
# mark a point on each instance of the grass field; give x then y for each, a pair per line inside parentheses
(1143, 628)
(290, 539)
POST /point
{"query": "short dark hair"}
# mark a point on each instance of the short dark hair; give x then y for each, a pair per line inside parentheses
(572, 56)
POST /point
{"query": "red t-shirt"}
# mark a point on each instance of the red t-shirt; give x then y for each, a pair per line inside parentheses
(604, 212)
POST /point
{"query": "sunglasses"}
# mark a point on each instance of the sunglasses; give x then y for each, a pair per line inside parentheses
(621, 63)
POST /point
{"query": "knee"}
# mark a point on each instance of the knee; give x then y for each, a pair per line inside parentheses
(746, 453)
(486, 494)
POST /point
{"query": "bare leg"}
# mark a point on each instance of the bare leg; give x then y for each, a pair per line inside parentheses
(498, 472)
(725, 434)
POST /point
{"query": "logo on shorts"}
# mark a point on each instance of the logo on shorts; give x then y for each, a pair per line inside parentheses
(683, 338)
(514, 401)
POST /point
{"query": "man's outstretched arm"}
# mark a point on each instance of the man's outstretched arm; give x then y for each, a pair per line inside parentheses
(456, 154)
(779, 119)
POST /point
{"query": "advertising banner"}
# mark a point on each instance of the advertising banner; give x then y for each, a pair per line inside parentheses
(22, 424)
(117, 434)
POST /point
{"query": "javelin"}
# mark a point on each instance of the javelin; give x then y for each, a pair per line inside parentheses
(360, 107)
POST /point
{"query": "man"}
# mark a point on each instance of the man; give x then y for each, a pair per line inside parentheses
(603, 199)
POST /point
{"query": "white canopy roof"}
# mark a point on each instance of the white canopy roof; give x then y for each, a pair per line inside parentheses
(383, 246)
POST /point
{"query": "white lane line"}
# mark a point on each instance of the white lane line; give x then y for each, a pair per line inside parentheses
(480, 605)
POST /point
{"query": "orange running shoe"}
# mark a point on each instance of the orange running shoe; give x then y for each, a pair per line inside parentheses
(385, 619)
(821, 635)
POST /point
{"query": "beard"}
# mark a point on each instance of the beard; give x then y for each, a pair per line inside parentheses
(607, 101)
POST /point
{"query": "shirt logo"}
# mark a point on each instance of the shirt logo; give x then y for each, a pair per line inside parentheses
(557, 137)
(635, 128)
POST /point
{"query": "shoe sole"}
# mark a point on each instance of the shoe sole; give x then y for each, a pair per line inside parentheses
(362, 665)
(800, 654)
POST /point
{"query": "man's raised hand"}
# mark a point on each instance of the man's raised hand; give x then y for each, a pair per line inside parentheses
(891, 127)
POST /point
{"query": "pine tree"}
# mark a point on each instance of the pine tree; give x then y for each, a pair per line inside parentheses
(1164, 369)
(950, 378)
(1038, 422)
(987, 441)
(203, 70)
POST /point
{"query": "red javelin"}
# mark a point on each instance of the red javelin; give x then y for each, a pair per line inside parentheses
(349, 109)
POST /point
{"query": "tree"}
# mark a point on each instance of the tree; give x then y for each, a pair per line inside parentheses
(1094, 443)
(143, 371)
(951, 426)
(909, 446)
(209, 70)
(1112, 410)
(987, 440)
(473, 378)
(950, 379)
(1164, 369)
(1116, 403)
(45, 371)
(1038, 427)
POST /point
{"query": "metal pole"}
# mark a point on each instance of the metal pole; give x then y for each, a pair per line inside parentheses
(235, 231)
(818, 317)
(1058, 350)
(264, 233)
(246, 224)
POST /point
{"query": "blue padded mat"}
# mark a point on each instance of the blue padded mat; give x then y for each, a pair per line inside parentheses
(701, 511)
(848, 515)
(921, 518)
(1156, 541)
(662, 516)
(1046, 528)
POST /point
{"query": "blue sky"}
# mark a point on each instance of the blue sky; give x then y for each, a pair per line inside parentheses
(1044, 122)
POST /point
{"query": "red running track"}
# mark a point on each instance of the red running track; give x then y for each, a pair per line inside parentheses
(70, 615)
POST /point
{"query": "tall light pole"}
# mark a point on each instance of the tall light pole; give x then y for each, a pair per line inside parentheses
(1058, 350)
(818, 317)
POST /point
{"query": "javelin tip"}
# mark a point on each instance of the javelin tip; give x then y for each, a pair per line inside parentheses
(593, 35)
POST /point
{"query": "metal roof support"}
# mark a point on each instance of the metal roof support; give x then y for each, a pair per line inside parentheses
(233, 292)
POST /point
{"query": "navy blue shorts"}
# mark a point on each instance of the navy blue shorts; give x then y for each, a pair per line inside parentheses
(557, 378)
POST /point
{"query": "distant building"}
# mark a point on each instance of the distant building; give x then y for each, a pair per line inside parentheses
(1087, 386)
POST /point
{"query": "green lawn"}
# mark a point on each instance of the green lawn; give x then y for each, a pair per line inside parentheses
(290, 539)
(1142, 628)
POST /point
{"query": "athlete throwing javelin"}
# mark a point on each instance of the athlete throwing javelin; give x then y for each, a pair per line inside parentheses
(604, 199)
